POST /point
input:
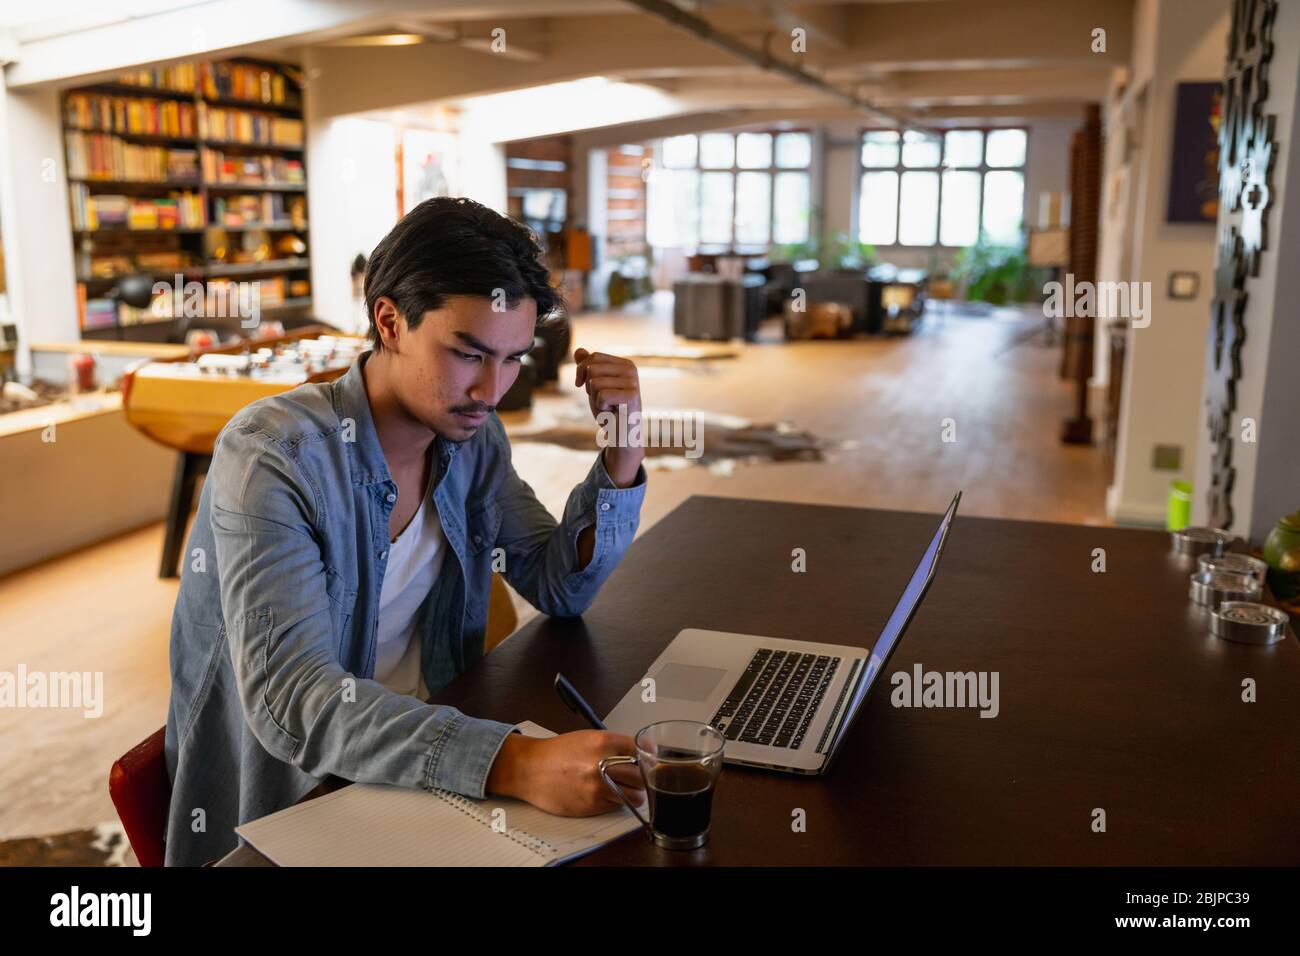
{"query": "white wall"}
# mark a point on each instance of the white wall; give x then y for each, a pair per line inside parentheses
(352, 183)
(838, 195)
(1268, 471)
(352, 203)
(595, 197)
(1117, 214)
(1163, 373)
(483, 168)
(1047, 165)
(353, 199)
(37, 230)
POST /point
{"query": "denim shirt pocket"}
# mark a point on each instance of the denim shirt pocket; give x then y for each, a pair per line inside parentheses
(343, 600)
(482, 523)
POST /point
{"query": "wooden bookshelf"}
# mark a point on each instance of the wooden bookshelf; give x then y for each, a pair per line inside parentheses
(258, 187)
(258, 147)
(128, 231)
(265, 267)
(173, 170)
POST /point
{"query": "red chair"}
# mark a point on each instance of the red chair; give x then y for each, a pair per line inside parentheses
(141, 792)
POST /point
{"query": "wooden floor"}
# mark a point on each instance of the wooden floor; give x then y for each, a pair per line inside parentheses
(103, 609)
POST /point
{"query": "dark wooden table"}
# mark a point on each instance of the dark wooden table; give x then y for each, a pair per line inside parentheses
(1113, 694)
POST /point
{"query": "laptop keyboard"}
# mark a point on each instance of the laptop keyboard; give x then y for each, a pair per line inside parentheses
(776, 697)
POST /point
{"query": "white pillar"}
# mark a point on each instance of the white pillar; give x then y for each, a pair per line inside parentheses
(1177, 42)
(34, 217)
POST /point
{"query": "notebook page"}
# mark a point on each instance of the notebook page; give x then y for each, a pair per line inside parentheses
(569, 836)
(378, 825)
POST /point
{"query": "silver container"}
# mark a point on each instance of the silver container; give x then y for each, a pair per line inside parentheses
(1200, 541)
(1235, 563)
(1246, 622)
(1212, 588)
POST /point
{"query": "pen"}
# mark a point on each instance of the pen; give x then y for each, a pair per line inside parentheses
(569, 694)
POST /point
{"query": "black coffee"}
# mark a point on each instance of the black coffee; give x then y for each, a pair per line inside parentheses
(681, 799)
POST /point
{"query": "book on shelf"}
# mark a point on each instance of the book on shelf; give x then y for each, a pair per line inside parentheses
(243, 210)
(131, 115)
(99, 314)
(107, 157)
(222, 125)
(224, 168)
(164, 263)
(181, 163)
(246, 81)
(177, 78)
(83, 215)
(153, 214)
(109, 267)
(159, 308)
(142, 173)
(177, 210)
(269, 292)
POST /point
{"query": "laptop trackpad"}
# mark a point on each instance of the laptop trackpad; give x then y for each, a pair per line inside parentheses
(687, 681)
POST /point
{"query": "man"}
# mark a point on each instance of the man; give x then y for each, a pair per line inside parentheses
(340, 563)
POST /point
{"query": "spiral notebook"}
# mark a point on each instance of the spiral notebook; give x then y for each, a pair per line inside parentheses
(376, 825)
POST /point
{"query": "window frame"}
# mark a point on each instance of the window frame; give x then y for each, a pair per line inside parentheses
(983, 169)
(772, 170)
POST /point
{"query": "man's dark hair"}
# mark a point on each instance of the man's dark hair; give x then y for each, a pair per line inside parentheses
(445, 247)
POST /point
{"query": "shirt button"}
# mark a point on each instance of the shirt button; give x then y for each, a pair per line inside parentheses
(383, 555)
(392, 498)
(604, 506)
(478, 539)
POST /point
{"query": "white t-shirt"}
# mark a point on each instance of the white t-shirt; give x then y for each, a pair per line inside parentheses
(414, 560)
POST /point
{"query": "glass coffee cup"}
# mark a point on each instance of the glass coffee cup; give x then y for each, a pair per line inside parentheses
(680, 761)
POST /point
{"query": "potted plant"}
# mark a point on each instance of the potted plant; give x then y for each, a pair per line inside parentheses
(792, 252)
(996, 273)
(618, 289)
(844, 253)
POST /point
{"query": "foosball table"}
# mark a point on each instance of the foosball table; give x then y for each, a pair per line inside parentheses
(184, 403)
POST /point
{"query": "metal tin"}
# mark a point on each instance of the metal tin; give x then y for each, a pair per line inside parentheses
(1234, 563)
(1212, 588)
(1248, 623)
(1200, 541)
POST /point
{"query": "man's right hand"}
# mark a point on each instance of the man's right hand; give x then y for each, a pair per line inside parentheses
(559, 774)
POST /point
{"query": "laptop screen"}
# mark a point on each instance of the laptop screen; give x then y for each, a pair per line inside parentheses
(899, 619)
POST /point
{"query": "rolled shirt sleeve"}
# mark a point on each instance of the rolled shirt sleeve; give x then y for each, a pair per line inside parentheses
(542, 554)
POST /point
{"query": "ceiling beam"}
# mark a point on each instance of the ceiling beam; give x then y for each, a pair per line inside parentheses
(47, 54)
(825, 25)
(1031, 32)
(702, 30)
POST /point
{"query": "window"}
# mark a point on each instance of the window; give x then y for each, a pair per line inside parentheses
(917, 189)
(679, 152)
(731, 191)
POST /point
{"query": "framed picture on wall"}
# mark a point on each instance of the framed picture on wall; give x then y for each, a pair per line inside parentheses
(1194, 173)
(429, 167)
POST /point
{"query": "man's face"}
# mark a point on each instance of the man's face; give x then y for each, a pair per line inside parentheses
(454, 368)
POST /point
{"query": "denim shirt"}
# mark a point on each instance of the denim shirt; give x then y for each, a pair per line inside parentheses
(274, 632)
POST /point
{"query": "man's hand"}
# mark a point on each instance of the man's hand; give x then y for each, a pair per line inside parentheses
(613, 386)
(560, 775)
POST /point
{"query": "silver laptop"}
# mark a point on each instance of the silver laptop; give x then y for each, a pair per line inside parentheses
(782, 705)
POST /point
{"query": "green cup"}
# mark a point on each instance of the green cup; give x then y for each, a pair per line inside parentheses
(1179, 515)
